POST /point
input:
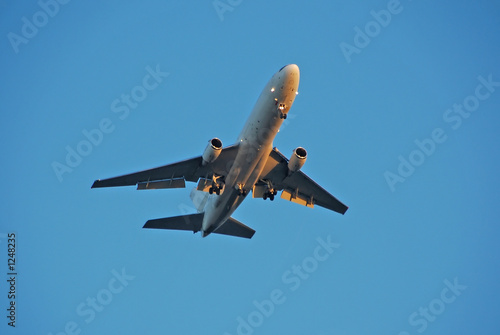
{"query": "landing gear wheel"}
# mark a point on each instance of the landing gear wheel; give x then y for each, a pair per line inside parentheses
(271, 197)
(217, 191)
(211, 190)
(265, 196)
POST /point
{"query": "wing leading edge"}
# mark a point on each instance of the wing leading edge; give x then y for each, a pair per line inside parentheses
(173, 175)
(297, 186)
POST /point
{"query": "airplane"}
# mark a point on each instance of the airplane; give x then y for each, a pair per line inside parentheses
(225, 175)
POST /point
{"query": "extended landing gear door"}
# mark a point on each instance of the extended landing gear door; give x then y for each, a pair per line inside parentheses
(259, 191)
(204, 184)
(210, 186)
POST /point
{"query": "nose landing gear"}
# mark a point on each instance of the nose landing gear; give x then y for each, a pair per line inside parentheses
(281, 109)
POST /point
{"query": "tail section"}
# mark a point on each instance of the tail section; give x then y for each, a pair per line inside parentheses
(190, 222)
(193, 222)
(234, 227)
(199, 199)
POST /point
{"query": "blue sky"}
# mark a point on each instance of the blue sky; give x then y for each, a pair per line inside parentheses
(398, 109)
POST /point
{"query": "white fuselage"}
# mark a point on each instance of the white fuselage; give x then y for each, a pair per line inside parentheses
(255, 143)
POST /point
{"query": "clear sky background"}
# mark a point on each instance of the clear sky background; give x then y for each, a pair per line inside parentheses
(417, 251)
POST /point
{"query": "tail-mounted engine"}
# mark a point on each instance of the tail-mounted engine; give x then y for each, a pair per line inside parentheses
(212, 151)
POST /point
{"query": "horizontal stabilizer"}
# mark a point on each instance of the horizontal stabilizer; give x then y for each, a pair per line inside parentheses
(234, 227)
(193, 222)
(190, 222)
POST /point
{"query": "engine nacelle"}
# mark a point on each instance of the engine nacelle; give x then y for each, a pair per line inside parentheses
(212, 151)
(297, 160)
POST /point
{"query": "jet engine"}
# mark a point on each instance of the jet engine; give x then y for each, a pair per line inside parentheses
(212, 151)
(297, 160)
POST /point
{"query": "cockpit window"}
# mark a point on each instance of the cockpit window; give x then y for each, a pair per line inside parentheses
(282, 68)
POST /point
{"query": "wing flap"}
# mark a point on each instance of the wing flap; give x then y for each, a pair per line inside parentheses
(297, 198)
(297, 186)
(306, 188)
(185, 169)
(155, 185)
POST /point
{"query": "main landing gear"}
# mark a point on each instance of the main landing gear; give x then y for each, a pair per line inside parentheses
(270, 191)
(241, 191)
(217, 185)
(215, 189)
(270, 195)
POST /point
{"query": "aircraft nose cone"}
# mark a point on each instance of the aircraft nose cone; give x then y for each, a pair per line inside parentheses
(292, 73)
(290, 77)
(290, 68)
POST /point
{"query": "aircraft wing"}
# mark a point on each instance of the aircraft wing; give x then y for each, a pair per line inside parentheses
(297, 186)
(174, 175)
